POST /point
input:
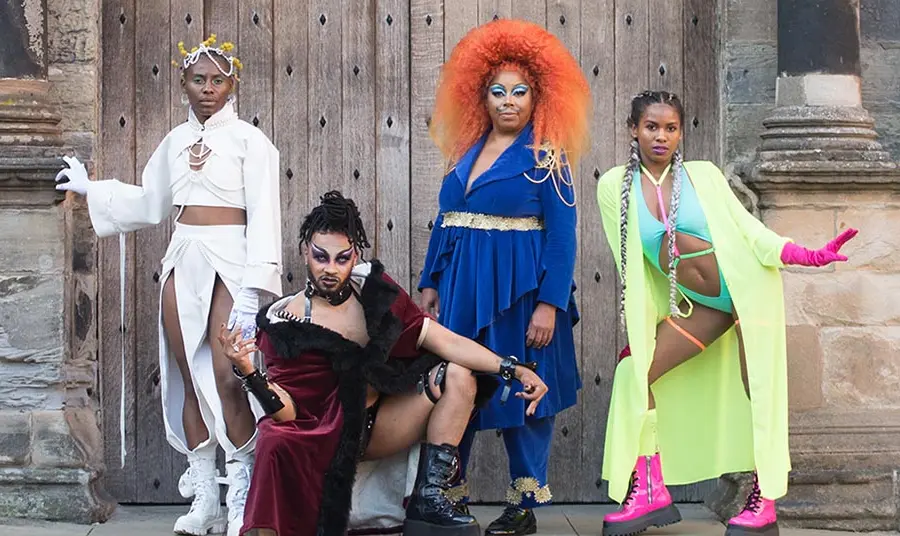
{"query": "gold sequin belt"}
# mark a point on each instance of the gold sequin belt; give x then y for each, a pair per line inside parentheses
(489, 222)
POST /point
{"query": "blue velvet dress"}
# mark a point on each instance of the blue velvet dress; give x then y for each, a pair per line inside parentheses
(490, 281)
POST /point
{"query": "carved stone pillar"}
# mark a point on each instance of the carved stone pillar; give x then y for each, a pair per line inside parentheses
(30, 141)
(49, 468)
(820, 134)
(820, 170)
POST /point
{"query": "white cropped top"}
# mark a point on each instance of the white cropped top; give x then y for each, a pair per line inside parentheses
(220, 181)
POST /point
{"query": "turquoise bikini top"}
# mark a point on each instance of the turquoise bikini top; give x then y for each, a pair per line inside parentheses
(691, 220)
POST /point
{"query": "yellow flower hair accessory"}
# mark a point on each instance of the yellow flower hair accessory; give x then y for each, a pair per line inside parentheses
(207, 48)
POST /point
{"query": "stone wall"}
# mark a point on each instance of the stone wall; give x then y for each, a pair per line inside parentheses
(50, 441)
(843, 320)
(750, 64)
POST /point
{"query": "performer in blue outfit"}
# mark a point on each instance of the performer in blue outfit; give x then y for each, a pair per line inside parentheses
(511, 113)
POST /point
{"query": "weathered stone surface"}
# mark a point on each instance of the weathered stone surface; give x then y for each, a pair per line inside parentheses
(875, 247)
(74, 89)
(811, 227)
(15, 437)
(53, 494)
(743, 126)
(85, 430)
(37, 375)
(73, 33)
(31, 326)
(879, 20)
(861, 366)
(887, 123)
(752, 21)
(880, 65)
(838, 498)
(750, 73)
(805, 362)
(730, 495)
(844, 298)
(814, 89)
(53, 444)
(32, 241)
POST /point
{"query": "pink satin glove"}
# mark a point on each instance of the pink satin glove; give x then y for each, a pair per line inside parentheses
(799, 255)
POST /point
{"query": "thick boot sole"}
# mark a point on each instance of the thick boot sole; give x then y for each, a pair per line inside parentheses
(530, 529)
(216, 526)
(658, 518)
(414, 527)
(768, 530)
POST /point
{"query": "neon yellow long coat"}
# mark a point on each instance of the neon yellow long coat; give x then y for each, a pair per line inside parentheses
(706, 424)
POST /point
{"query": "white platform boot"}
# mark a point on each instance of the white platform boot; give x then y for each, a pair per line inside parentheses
(200, 482)
(238, 471)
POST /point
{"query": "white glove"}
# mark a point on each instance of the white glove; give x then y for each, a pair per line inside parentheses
(76, 174)
(243, 312)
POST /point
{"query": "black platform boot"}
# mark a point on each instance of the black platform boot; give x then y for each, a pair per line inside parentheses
(514, 521)
(430, 512)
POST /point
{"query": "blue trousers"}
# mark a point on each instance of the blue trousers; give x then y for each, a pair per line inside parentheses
(528, 452)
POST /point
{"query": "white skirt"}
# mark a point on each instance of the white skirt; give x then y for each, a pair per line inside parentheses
(196, 254)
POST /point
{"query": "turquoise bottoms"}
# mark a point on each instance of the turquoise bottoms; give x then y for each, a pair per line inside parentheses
(722, 302)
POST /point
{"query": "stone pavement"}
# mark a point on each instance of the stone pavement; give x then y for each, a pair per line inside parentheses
(562, 520)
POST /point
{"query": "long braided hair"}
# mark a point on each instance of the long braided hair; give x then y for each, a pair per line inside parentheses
(336, 214)
(639, 104)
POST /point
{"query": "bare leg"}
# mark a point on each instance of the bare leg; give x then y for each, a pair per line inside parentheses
(404, 419)
(740, 337)
(239, 421)
(195, 431)
(674, 348)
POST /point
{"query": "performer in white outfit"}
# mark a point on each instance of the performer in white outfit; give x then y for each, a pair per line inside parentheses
(221, 174)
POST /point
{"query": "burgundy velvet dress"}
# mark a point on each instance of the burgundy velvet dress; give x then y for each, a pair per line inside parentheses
(303, 478)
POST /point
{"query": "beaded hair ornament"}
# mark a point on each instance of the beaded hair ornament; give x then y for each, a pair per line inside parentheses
(207, 48)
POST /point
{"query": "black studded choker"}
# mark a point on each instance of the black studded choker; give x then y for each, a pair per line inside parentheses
(334, 298)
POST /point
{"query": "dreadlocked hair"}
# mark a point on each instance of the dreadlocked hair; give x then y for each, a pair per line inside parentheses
(639, 104)
(335, 214)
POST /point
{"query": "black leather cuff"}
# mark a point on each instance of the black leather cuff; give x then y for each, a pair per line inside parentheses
(257, 384)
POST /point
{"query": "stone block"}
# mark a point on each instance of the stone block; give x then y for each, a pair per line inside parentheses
(31, 323)
(53, 444)
(73, 30)
(85, 430)
(861, 366)
(880, 76)
(755, 20)
(37, 375)
(32, 242)
(804, 360)
(879, 20)
(887, 123)
(15, 437)
(812, 227)
(29, 398)
(875, 247)
(750, 73)
(74, 88)
(72, 495)
(846, 298)
(836, 498)
(743, 126)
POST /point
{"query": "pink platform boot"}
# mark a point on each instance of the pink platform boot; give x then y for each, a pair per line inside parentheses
(648, 504)
(757, 518)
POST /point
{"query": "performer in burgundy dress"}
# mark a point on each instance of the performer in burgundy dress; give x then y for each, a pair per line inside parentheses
(355, 370)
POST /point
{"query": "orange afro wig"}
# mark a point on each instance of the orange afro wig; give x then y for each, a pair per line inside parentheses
(562, 96)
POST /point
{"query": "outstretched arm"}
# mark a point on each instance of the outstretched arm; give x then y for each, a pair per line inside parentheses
(473, 356)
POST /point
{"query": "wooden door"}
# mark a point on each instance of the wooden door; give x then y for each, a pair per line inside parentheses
(344, 90)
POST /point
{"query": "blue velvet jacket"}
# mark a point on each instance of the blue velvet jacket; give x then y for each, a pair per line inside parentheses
(491, 270)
